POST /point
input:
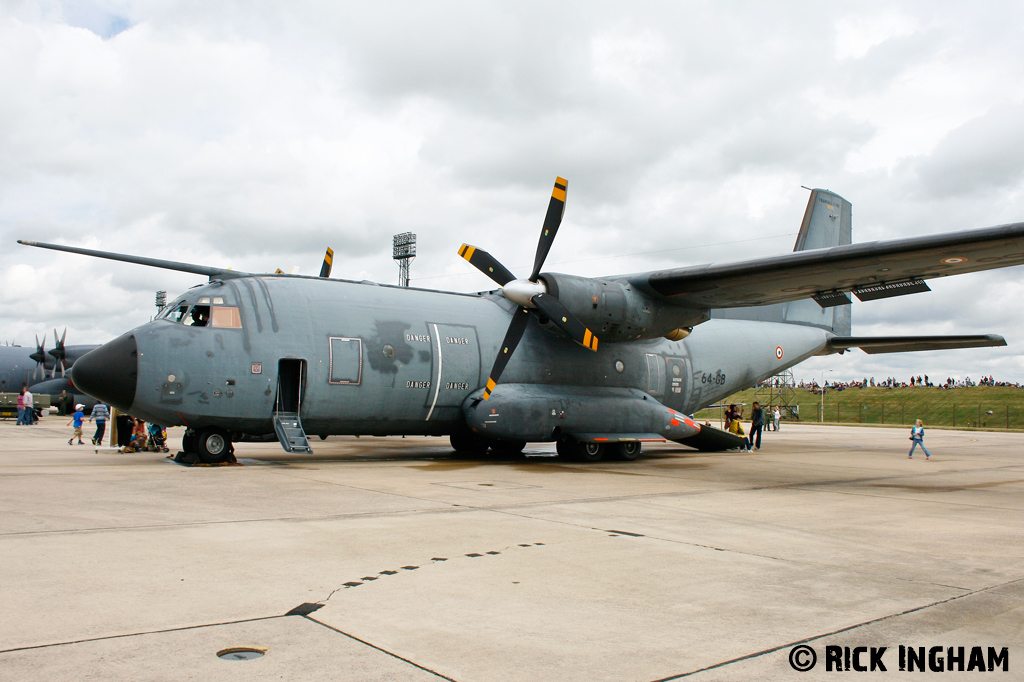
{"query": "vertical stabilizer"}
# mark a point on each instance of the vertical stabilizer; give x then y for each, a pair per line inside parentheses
(827, 222)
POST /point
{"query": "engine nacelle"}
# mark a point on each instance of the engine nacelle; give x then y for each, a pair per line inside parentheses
(615, 311)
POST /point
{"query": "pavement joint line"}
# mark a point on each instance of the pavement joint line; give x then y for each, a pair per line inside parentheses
(734, 551)
(849, 628)
(106, 529)
(907, 498)
(380, 649)
(140, 634)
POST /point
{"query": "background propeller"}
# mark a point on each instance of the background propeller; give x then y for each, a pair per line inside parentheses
(59, 353)
(40, 357)
(531, 294)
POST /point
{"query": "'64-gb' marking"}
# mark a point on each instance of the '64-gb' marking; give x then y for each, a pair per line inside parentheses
(717, 378)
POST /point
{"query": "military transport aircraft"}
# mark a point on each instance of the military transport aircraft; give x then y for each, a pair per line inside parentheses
(598, 365)
(39, 368)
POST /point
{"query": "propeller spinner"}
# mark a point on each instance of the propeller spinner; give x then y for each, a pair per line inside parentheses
(531, 295)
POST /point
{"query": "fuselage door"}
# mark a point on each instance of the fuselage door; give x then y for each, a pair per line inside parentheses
(456, 364)
(655, 373)
(291, 383)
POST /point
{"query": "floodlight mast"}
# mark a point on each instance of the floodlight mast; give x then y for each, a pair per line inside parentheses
(404, 251)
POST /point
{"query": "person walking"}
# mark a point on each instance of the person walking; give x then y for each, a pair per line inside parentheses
(917, 436)
(101, 414)
(756, 424)
(76, 419)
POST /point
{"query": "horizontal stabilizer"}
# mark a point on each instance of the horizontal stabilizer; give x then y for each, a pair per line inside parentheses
(902, 344)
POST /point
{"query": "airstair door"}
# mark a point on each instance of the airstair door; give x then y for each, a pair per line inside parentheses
(291, 383)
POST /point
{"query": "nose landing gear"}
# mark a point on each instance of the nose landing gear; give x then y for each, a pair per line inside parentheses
(209, 445)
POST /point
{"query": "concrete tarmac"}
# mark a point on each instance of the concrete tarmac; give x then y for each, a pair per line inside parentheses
(393, 559)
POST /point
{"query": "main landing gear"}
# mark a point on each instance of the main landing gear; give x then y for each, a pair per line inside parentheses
(209, 445)
(576, 451)
(470, 444)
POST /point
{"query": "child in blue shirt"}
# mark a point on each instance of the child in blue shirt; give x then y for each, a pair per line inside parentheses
(76, 419)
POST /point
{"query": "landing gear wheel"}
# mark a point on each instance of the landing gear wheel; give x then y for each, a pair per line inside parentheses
(188, 441)
(466, 443)
(628, 450)
(508, 448)
(566, 448)
(590, 452)
(214, 446)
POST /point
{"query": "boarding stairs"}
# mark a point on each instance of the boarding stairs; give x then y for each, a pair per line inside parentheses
(290, 433)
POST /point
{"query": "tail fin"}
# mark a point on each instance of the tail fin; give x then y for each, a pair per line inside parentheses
(827, 222)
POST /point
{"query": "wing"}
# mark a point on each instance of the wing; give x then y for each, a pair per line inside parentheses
(902, 344)
(869, 270)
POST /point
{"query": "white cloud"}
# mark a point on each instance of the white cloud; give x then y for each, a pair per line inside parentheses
(255, 134)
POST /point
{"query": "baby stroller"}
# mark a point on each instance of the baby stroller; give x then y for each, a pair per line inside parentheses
(157, 438)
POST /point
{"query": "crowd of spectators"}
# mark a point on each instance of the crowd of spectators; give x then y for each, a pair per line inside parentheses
(920, 381)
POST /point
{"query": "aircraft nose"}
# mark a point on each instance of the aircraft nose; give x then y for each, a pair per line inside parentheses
(110, 372)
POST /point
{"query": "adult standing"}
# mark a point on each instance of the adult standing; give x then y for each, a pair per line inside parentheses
(917, 436)
(100, 413)
(21, 405)
(756, 424)
(776, 416)
(30, 408)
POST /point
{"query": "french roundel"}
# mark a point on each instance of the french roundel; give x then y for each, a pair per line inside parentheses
(778, 352)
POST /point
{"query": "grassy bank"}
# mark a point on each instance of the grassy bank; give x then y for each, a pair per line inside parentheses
(986, 407)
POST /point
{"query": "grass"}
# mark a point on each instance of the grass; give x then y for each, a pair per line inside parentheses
(958, 407)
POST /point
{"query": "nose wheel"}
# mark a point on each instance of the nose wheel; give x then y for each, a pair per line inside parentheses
(210, 445)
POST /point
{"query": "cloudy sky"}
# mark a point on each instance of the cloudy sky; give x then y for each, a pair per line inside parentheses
(255, 134)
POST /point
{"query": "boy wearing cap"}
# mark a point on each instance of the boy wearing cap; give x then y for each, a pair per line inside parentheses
(76, 419)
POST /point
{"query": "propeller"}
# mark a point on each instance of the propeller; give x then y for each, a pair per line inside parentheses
(531, 295)
(325, 269)
(58, 353)
(40, 357)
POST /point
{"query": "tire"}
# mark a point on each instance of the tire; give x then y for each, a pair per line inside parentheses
(628, 450)
(214, 445)
(508, 448)
(466, 443)
(188, 441)
(590, 452)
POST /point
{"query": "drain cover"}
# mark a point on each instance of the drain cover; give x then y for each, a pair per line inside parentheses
(241, 653)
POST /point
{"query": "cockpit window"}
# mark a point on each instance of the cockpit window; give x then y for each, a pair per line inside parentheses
(226, 316)
(177, 311)
(200, 316)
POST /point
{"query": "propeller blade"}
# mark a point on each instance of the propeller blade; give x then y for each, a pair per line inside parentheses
(556, 207)
(515, 332)
(565, 320)
(61, 369)
(487, 264)
(325, 269)
(58, 351)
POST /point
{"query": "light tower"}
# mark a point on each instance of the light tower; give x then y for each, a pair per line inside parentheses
(404, 251)
(161, 300)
